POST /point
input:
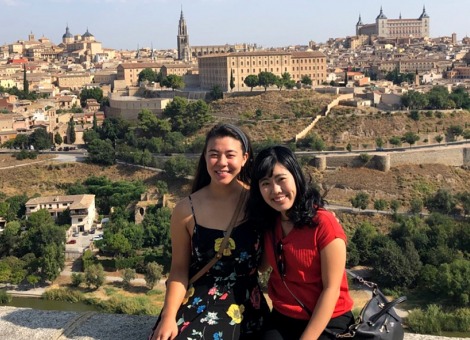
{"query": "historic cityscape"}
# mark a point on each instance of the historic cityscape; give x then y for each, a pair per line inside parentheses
(98, 145)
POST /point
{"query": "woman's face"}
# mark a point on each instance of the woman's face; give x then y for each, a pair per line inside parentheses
(225, 159)
(279, 190)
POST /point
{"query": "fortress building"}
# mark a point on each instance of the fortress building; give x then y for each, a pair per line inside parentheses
(395, 28)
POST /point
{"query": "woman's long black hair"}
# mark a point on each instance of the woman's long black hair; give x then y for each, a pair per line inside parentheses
(202, 178)
(307, 200)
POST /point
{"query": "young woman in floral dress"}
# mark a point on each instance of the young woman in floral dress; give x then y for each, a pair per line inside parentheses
(225, 303)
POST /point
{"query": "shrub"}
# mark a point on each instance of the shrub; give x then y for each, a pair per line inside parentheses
(4, 297)
(63, 294)
(77, 279)
(434, 320)
(153, 274)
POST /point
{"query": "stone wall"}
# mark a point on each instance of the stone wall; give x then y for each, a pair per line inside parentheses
(459, 156)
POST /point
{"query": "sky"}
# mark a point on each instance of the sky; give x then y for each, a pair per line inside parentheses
(127, 24)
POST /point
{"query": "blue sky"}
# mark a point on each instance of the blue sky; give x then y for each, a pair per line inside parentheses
(124, 24)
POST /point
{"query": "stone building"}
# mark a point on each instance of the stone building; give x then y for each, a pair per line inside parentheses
(217, 69)
(129, 72)
(82, 209)
(396, 28)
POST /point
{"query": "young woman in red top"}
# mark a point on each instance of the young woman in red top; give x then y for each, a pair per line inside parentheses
(306, 248)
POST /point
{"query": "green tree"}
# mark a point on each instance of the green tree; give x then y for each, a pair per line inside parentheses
(216, 92)
(394, 266)
(21, 141)
(379, 142)
(438, 97)
(95, 122)
(363, 239)
(452, 279)
(33, 280)
(40, 139)
(71, 134)
(410, 138)
(349, 147)
(232, 80)
(414, 114)
(162, 187)
(77, 279)
(151, 126)
(156, 225)
(251, 81)
(466, 134)
(58, 138)
(128, 275)
(266, 79)
(147, 74)
(395, 141)
(101, 152)
(178, 167)
(93, 93)
(306, 80)
(414, 100)
(173, 81)
(89, 135)
(52, 261)
(9, 238)
(443, 201)
(439, 138)
(118, 244)
(464, 199)
(153, 274)
(416, 205)
(380, 204)
(94, 275)
(394, 205)
(454, 131)
(25, 81)
(360, 201)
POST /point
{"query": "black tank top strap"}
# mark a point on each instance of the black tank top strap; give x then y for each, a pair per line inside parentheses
(192, 209)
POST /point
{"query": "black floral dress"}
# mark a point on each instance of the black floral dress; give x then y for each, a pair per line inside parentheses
(227, 302)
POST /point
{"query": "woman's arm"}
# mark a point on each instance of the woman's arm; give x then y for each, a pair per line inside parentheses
(178, 278)
(333, 262)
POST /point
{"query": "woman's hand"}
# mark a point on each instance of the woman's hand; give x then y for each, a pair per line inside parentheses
(166, 330)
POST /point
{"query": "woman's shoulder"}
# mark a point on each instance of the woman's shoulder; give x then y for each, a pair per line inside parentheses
(183, 207)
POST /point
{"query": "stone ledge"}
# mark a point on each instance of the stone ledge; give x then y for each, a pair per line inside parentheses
(29, 324)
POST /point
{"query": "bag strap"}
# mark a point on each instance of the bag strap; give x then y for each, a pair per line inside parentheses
(225, 241)
(386, 308)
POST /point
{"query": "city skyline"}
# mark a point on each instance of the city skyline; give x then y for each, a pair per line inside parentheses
(269, 23)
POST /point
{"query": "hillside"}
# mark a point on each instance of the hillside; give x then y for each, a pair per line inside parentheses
(280, 116)
(402, 183)
(285, 113)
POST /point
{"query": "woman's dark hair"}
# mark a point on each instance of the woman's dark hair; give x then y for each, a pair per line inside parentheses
(202, 177)
(306, 202)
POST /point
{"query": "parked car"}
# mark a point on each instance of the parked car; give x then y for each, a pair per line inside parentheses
(92, 231)
(85, 233)
(97, 237)
(71, 241)
(75, 234)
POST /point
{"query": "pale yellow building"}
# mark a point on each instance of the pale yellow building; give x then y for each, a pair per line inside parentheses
(74, 81)
(129, 72)
(217, 69)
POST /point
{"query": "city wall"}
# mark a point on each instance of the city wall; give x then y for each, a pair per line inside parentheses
(386, 160)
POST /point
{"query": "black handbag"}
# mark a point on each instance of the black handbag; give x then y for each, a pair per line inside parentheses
(378, 319)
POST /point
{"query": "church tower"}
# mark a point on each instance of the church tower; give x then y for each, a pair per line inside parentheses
(184, 51)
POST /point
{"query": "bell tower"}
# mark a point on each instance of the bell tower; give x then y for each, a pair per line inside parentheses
(184, 51)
